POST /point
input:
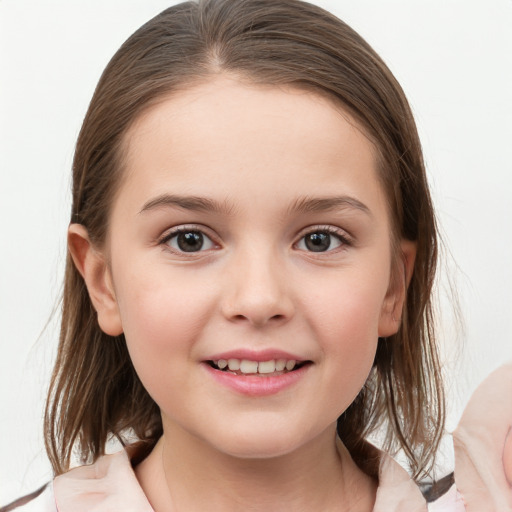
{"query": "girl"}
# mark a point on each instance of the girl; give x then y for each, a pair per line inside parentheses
(247, 295)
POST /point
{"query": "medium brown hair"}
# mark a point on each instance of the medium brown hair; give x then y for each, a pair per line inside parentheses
(95, 392)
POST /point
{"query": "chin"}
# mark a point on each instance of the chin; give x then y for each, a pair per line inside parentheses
(264, 443)
(260, 451)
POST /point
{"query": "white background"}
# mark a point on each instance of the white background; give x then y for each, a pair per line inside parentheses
(454, 60)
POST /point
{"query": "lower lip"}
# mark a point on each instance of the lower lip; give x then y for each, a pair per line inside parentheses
(252, 385)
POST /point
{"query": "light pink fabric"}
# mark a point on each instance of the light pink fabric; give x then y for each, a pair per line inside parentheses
(449, 502)
(110, 485)
(397, 492)
(482, 451)
(106, 486)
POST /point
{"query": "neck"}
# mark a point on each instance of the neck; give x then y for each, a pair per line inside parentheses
(183, 473)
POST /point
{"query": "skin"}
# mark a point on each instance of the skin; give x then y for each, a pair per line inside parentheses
(257, 152)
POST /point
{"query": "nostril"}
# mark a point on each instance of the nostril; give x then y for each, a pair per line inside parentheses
(257, 309)
(258, 319)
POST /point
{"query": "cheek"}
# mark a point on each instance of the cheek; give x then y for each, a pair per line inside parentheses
(345, 316)
(161, 325)
(349, 303)
(161, 320)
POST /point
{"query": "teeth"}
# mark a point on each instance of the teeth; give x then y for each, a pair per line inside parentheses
(280, 365)
(234, 364)
(246, 366)
(290, 365)
(267, 366)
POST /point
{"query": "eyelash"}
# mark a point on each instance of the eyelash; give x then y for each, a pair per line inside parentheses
(342, 237)
(183, 230)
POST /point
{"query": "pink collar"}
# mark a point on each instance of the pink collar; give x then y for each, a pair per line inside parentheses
(110, 484)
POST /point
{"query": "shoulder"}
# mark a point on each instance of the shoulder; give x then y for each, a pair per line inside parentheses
(398, 492)
(449, 501)
(482, 481)
(483, 452)
(41, 500)
(108, 484)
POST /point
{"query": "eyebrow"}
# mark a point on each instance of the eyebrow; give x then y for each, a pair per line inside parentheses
(300, 205)
(325, 204)
(194, 203)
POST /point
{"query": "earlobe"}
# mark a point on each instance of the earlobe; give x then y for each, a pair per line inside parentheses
(92, 265)
(392, 308)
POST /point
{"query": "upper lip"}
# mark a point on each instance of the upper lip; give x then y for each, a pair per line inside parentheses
(256, 355)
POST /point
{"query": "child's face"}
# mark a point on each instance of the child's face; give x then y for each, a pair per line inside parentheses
(283, 251)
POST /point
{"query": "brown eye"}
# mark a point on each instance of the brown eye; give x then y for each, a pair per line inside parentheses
(189, 241)
(320, 241)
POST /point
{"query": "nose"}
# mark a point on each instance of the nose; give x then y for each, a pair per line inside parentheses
(257, 290)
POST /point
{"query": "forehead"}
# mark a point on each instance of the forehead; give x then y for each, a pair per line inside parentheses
(232, 138)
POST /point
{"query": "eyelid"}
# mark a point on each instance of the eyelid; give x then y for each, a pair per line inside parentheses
(343, 236)
(186, 228)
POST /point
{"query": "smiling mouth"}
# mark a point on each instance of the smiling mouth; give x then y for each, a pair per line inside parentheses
(271, 368)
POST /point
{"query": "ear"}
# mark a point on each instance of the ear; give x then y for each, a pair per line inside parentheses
(91, 264)
(392, 307)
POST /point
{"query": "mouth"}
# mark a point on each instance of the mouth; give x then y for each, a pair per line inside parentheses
(270, 368)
